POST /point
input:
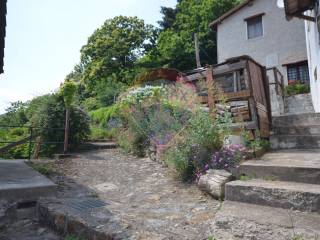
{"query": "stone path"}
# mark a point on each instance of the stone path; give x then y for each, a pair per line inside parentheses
(142, 196)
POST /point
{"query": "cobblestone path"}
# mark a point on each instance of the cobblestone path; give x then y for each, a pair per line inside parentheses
(143, 196)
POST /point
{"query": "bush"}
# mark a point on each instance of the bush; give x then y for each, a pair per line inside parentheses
(50, 118)
(102, 116)
(228, 158)
(180, 158)
(297, 88)
(98, 133)
(191, 154)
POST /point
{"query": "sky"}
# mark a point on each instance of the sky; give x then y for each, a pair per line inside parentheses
(44, 38)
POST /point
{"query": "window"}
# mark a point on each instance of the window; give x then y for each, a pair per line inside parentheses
(298, 72)
(254, 27)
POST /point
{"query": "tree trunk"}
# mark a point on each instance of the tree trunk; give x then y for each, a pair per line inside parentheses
(66, 131)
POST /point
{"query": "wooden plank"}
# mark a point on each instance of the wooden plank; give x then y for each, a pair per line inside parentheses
(15, 144)
(197, 76)
(239, 109)
(237, 114)
(238, 103)
(210, 84)
(238, 95)
(228, 68)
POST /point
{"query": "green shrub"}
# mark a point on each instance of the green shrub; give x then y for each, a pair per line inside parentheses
(297, 88)
(91, 104)
(97, 133)
(193, 149)
(50, 118)
(101, 116)
(179, 158)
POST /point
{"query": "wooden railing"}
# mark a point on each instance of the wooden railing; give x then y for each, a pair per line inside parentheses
(29, 139)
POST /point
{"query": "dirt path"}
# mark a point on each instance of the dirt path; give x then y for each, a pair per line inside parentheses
(142, 195)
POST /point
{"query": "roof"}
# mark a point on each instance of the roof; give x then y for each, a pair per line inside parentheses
(218, 21)
(3, 12)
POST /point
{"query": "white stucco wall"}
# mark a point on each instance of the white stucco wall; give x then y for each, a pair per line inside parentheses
(283, 41)
(313, 48)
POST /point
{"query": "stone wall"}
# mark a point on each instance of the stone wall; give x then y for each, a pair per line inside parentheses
(313, 47)
(300, 103)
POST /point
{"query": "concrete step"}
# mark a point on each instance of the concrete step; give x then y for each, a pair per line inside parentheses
(293, 165)
(19, 182)
(85, 218)
(301, 103)
(244, 221)
(279, 194)
(295, 141)
(297, 130)
(302, 119)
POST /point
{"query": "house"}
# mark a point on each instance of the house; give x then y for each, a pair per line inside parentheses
(3, 11)
(258, 28)
(309, 10)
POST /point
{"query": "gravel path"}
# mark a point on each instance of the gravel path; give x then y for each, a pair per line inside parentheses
(143, 196)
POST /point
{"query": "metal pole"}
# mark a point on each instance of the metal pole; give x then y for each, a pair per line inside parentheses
(30, 142)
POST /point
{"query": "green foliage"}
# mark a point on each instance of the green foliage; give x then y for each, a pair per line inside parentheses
(112, 50)
(101, 116)
(72, 237)
(44, 169)
(49, 116)
(15, 114)
(179, 157)
(211, 238)
(297, 88)
(68, 91)
(98, 133)
(245, 178)
(91, 104)
(192, 152)
(175, 46)
(108, 91)
(13, 135)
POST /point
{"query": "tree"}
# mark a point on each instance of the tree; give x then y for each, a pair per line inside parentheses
(175, 46)
(113, 50)
(68, 91)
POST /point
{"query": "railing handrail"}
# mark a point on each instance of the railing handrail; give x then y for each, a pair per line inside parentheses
(33, 127)
(28, 139)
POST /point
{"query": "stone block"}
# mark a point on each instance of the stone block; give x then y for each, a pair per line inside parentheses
(213, 182)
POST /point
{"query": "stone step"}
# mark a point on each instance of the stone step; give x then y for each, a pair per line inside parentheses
(19, 182)
(288, 195)
(236, 220)
(84, 218)
(297, 130)
(295, 141)
(303, 119)
(293, 165)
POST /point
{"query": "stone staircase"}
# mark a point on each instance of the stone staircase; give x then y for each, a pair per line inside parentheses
(279, 195)
(294, 131)
(288, 179)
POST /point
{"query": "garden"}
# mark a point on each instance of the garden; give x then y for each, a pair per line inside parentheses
(167, 124)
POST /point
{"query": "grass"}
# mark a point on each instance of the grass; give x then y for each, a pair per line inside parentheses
(71, 237)
(211, 238)
(245, 178)
(43, 168)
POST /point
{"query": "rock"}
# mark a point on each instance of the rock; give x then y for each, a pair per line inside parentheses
(213, 182)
